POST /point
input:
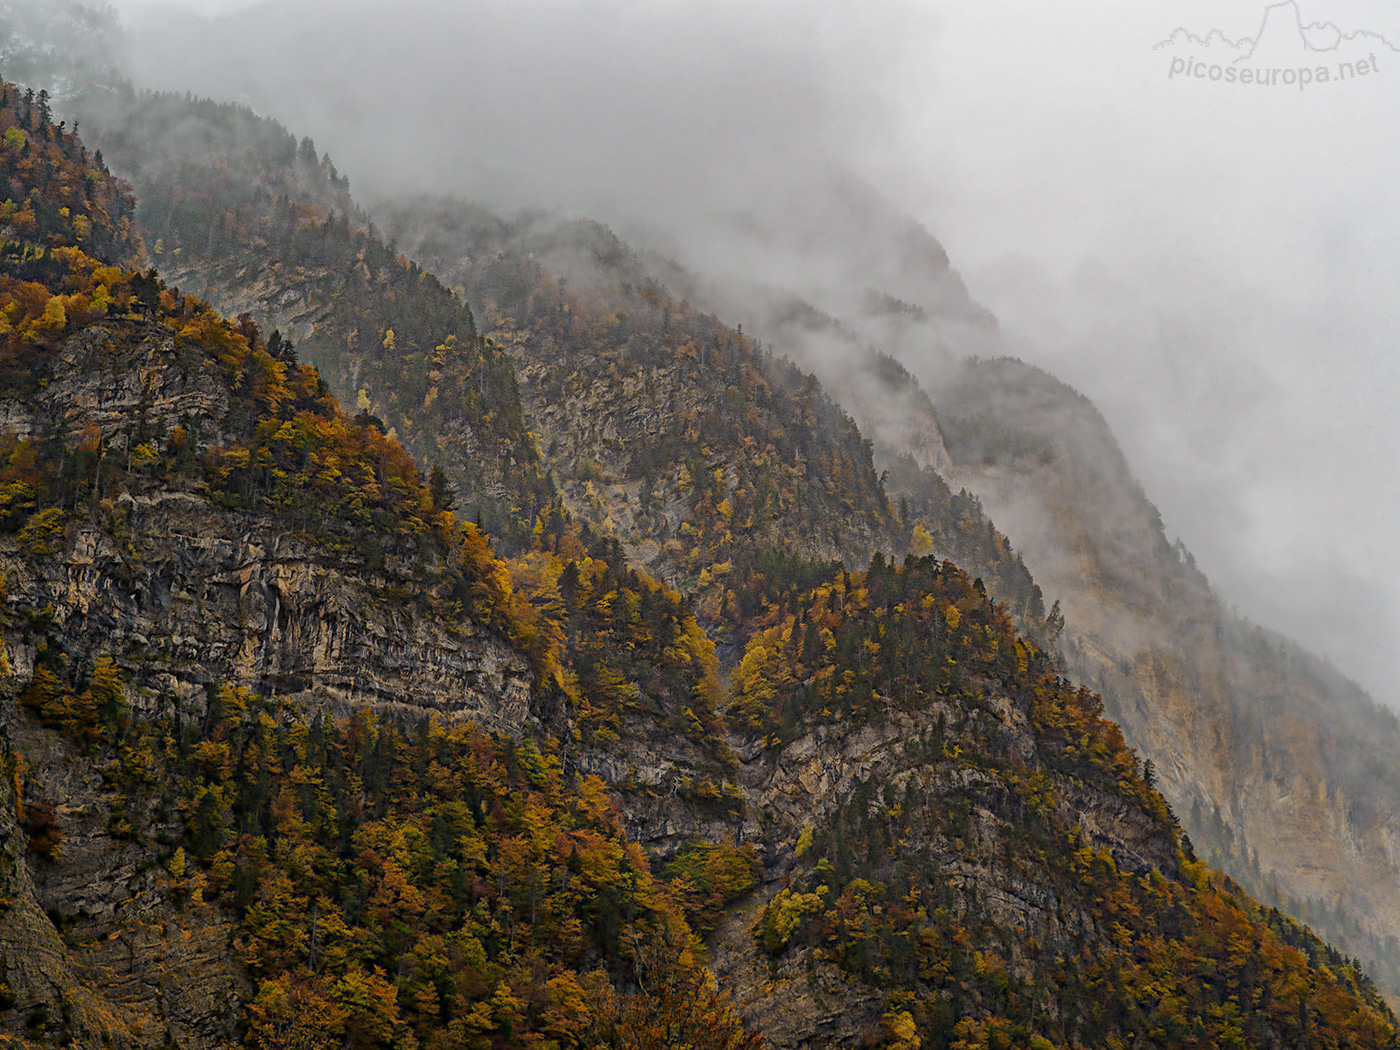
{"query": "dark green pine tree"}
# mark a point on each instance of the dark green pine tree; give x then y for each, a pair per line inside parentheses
(443, 494)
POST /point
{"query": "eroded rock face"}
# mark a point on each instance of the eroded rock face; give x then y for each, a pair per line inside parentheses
(94, 942)
(38, 974)
(1282, 771)
(187, 596)
(798, 998)
(581, 417)
(119, 374)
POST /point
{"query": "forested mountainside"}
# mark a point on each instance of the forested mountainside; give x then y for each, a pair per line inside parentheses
(1282, 770)
(244, 215)
(522, 271)
(190, 517)
(1264, 750)
(658, 424)
(295, 759)
(54, 197)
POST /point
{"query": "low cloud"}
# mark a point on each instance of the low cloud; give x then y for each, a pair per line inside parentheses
(1215, 269)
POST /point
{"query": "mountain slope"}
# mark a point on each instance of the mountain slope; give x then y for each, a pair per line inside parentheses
(1283, 771)
(188, 516)
(522, 271)
(219, 169)
(245, 216)
(909, 802)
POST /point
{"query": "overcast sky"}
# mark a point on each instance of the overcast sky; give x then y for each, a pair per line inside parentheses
(1217, 266)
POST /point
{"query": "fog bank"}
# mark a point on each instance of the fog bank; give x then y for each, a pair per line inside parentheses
(1213, 267)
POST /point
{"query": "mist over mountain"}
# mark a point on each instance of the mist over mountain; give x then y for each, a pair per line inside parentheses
(655, 484)
(1187, 259)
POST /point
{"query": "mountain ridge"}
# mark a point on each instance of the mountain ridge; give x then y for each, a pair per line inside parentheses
(958, 787)
(485, 254)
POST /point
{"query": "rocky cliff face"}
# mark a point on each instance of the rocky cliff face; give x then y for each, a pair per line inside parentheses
(92, 942)
(945, 835)
(1274, 762)
(193, 594)
(186, 596)
(800, 998)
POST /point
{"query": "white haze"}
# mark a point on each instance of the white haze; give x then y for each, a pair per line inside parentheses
(1215, 267)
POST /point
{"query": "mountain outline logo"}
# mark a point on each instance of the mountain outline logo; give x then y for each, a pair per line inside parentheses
(1284, 50)
(1316, 37)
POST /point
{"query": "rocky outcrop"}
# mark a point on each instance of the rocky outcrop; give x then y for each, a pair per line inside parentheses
(628, 435)
(1281, 771)
(93, 944)
(121, 376)
(187, 596)
(39, 982)
(798, 1000)
(293, 299)
(801, 998)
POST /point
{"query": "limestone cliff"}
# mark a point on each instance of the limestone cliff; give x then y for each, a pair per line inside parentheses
(904, 823)
(91, 942)
(185, 596)
(1275, 763)
(194, 594)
